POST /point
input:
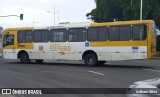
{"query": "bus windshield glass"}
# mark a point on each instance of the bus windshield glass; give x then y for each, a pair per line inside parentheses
(8, 40)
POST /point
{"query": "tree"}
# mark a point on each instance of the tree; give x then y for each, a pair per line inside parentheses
(158, 43)
(106, 10)
(122, 10)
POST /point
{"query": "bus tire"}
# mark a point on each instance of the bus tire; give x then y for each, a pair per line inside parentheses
(91, 60)
(24, 58)
(39, 61)
(101, 63)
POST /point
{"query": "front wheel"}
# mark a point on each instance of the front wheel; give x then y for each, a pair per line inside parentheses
(91, 60)
(24, 58)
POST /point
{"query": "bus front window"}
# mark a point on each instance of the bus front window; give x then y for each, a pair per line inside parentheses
(8, 40)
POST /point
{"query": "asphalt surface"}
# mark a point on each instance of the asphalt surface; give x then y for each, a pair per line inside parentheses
(72, 74)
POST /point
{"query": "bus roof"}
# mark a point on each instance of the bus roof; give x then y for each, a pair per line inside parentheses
(84, 24)
(20, 28)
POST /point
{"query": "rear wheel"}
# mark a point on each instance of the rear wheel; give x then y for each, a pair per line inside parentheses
(24, 58)
(39, 61)
(91, 60)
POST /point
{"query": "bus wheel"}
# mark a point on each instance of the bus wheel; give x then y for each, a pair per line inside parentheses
(39, 61)
(91, 60)
(24, 58)
(101, 62)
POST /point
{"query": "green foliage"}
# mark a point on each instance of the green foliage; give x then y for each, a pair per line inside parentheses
(121, 10)
(158, 43)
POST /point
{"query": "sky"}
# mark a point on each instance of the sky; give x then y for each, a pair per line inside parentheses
(35, 12)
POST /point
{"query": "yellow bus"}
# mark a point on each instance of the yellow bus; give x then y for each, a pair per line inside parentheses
(95, 43)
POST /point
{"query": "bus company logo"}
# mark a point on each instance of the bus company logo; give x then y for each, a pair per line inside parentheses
(57, 47)
(6, 91)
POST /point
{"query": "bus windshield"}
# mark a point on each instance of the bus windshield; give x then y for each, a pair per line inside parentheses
(8, 40)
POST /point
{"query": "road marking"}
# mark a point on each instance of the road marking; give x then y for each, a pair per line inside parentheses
(96, 72)
(151, 70)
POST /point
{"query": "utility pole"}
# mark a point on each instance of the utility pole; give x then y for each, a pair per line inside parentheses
(54, 13)
(131, 2)
(58, 16)
(34, 22)
(141, 10)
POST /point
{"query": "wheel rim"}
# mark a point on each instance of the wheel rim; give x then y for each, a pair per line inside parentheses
(24, 58)
(90, 60)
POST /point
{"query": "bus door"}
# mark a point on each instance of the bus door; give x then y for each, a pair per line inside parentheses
(9, 45)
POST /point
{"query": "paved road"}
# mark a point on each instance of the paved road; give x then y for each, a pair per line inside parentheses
(75, 75)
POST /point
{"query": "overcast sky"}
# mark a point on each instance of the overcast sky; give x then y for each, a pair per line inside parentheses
(36, 11)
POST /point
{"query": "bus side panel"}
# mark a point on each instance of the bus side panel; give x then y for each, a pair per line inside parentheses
(128, 53)
(80, 48)
(61, 51)
(41, 51)
(151, 39)
(9, 54)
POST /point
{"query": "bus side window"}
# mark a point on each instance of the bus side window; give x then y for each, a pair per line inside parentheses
(97, 34)
(102, 33)
(77, 34)
(62, 35)
(81, 34)
(54, 35)
(139, 32)
(72, 34)
(21, 37)
(25, 36)
(58, 35)
(37, 36)
(92, 34)
(114, 34)
(125, 33)
(45, 35)
(28, 36)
